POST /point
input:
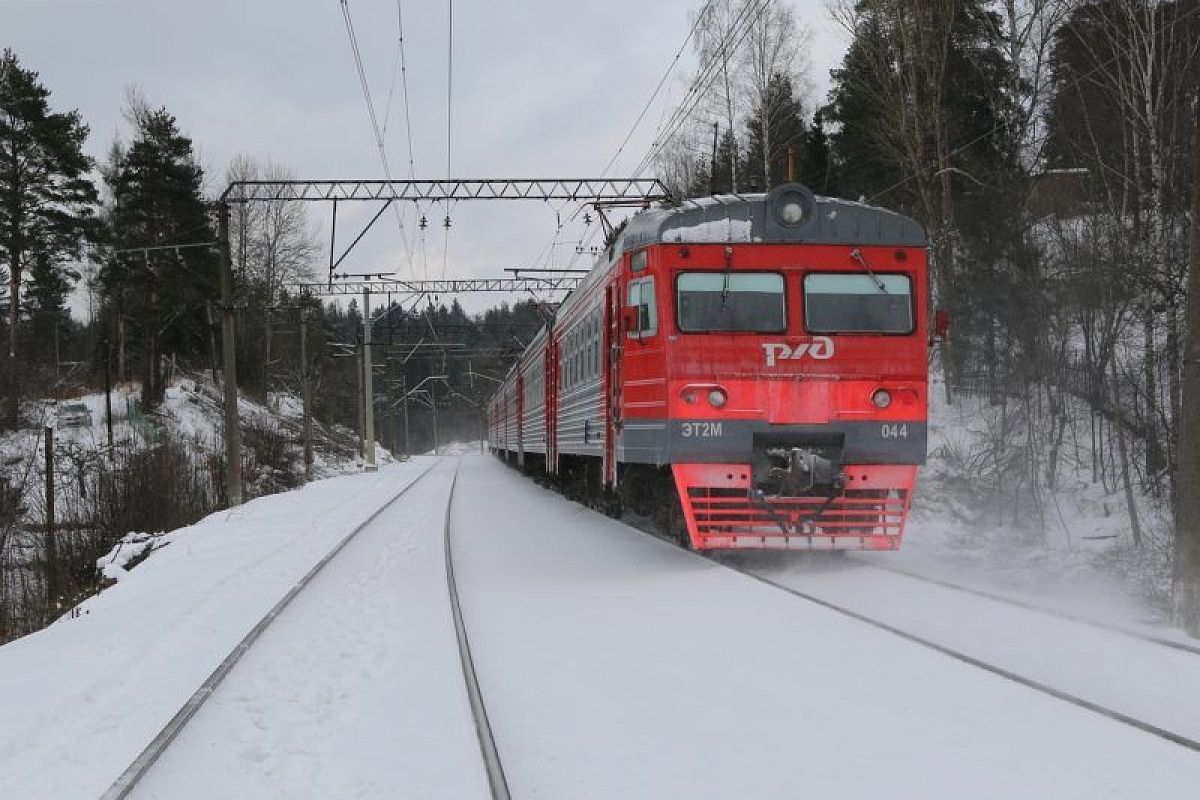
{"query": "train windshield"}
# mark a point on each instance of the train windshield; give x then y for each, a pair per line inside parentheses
(837, 303)
(744, 302)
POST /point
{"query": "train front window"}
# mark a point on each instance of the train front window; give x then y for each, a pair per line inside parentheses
(741, 302)
(858, 303)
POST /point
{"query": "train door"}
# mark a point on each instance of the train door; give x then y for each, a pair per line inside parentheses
(612, 380)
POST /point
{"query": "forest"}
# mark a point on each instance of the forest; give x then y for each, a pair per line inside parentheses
(1047, 147)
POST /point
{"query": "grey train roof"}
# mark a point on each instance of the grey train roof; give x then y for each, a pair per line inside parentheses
(754, 218)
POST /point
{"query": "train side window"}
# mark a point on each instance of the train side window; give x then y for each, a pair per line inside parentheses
(641, 297)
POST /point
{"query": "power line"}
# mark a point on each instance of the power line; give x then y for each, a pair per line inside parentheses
(449, 123)
(741, 27)
(362, 79)
(658, 88)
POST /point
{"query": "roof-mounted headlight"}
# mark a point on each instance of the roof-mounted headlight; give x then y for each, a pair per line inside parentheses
(791, 212)
(791, 204)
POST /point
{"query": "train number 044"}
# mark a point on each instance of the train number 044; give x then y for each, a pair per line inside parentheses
(893, 431)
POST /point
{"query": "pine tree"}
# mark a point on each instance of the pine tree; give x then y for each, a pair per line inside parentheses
(156, 190)
(815, 160)
(786, 129)
(45, 305)
(46, 199)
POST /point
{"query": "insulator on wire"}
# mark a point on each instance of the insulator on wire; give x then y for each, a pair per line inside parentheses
(446, 223)
(587, 218)
(424, 222)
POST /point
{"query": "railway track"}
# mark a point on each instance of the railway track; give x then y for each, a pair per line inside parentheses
(966, 658)
(129, 779)
(497, 782)
(1000, 598)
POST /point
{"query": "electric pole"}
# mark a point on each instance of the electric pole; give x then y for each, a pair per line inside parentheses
(306, 395)
(108, 392)
(358, 364)
(404, 395)
(368, 385)
(51, 544)
(1187, 514)
(233, 433)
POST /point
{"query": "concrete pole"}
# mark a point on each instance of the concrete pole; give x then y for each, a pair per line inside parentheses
(433, 402)
(233, 433)
(368, 385)
(306, 396)
(404, 395)
(358, 371)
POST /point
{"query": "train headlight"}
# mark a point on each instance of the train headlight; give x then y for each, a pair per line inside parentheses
(882, 398)
(717, 398)
(792, 206)
(791, 212)
(689, 397)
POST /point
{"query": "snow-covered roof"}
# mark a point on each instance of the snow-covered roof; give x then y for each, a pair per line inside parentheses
(754, 218)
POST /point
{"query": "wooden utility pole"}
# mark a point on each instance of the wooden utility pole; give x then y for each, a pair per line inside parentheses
(233, 431)
(306, 396)
(368, 385)
(791, 163)
(51, 544)
(1187, 514)
(108, 391)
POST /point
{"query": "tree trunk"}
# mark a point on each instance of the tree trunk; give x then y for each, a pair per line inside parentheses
(1154, 455)
(1186, 588)
(12, 406)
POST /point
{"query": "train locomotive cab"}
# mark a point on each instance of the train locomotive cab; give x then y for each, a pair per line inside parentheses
(773, 352)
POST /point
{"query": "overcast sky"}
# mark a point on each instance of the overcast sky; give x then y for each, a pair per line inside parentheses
(541, 88)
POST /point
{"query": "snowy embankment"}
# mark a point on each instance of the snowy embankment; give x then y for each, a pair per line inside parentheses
(81, 698)
(616, 665)
(612, 664)
(975, 519)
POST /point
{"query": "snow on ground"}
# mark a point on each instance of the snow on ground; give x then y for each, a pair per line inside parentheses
(612, 664)
(616, 665)
(1135, 677)
(81, 698)
(1082, 561)
(355, 691)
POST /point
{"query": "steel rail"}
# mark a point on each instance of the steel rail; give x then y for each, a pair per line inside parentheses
(1058, 694)
(497, 782)
(1132, 633)
(133, 774)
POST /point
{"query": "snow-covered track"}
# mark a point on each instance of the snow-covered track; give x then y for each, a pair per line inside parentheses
(128, 780)
(1008, 674)
(1012, 601)
(497, 782)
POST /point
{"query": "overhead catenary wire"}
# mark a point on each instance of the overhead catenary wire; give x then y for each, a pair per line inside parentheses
(658, 88)
(374, 120)
(449, 126)
(739, 30)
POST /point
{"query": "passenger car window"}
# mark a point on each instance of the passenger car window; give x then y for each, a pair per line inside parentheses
(858, 303)
(746, 302)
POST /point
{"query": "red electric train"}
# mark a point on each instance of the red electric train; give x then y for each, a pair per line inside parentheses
(751, 370)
